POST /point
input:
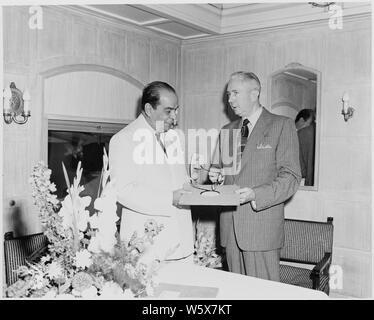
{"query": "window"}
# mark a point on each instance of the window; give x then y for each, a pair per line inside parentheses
(72, 141)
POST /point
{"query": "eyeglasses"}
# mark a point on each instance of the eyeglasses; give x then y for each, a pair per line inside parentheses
(169, 110)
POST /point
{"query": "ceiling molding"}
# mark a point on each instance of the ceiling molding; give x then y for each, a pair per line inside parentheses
(195, 16)
(153, 22)
(210, 20)
(247, 17)
(364, 17)
(109, 14)
(253, 8)
(278, 15)
(116, 20)
(176, 35)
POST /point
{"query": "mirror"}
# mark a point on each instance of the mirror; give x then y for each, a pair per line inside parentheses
(294, 92)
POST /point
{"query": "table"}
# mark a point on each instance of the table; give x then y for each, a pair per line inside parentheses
(230, 285)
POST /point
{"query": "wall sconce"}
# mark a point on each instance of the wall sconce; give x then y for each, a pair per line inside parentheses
(347, 111)
(16, 104)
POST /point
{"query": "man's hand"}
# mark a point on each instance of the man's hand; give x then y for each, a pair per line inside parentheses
(246, 195)
(148, 257)
(194, 173)
(197, 163)
(215, 175)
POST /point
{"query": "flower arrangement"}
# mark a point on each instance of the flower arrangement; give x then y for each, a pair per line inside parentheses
(85, 256)
(205, 248)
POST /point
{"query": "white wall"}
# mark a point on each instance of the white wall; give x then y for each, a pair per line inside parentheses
(91, 94)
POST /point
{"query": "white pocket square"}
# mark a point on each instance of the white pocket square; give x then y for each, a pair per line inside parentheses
(264, 146)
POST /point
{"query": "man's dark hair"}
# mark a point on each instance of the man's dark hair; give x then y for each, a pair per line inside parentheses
(151, 93)
(305, 114)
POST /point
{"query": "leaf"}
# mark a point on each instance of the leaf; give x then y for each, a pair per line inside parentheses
(105, 169)
(101, 179)
(105, 160)
(79, 175)
(65, 286)
(66, 176)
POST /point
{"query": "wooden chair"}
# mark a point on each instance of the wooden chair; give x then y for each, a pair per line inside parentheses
(308, 243)
(18, 250)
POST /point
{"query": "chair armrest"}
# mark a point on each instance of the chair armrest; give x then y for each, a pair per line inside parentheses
(8, 235)
(37, 254)
(319, 268)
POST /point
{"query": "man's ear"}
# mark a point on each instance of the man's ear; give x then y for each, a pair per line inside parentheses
(255, 94)
(148, 109)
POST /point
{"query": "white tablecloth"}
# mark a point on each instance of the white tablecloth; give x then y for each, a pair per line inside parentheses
(231, 285)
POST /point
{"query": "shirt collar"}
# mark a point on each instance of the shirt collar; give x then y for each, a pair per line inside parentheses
(254, 116)
(163, 136)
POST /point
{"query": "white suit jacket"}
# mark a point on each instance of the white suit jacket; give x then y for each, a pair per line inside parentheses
(145, 179)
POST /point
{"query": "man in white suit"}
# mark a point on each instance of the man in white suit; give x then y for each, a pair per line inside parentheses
(147, 162)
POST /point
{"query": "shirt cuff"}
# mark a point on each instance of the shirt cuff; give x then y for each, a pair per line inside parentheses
(253, 204)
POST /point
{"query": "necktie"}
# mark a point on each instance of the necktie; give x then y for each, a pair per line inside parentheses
(244, 137)
(244, 134)
(161, 144)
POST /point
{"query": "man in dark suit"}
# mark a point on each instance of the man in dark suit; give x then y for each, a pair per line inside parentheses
(260, 153)
(306, 133)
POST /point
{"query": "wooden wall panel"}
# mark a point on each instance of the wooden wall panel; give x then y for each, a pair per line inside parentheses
(17, 37)
(341, 47)
(346, 167)
(203, 69)
(307, 205)
(174, 66)
(204, 110)
(112, 47)
(138, 57)
(250, 55)
(306, 47)
(357, 268)
(164, 63)
(347, 224)
(56, 37)
(16, 150)
(159, 56)
(84, 39)
(91, 94)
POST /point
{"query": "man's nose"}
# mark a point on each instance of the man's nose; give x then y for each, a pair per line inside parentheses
(173, 114)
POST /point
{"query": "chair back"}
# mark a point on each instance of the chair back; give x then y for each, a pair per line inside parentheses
(307, 241)
(17, 250)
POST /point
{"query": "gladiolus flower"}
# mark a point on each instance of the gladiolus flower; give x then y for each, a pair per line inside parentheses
(83, 259)
(55, 270)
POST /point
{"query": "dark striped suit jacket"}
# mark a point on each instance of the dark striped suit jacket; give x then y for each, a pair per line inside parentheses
(270, 166)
